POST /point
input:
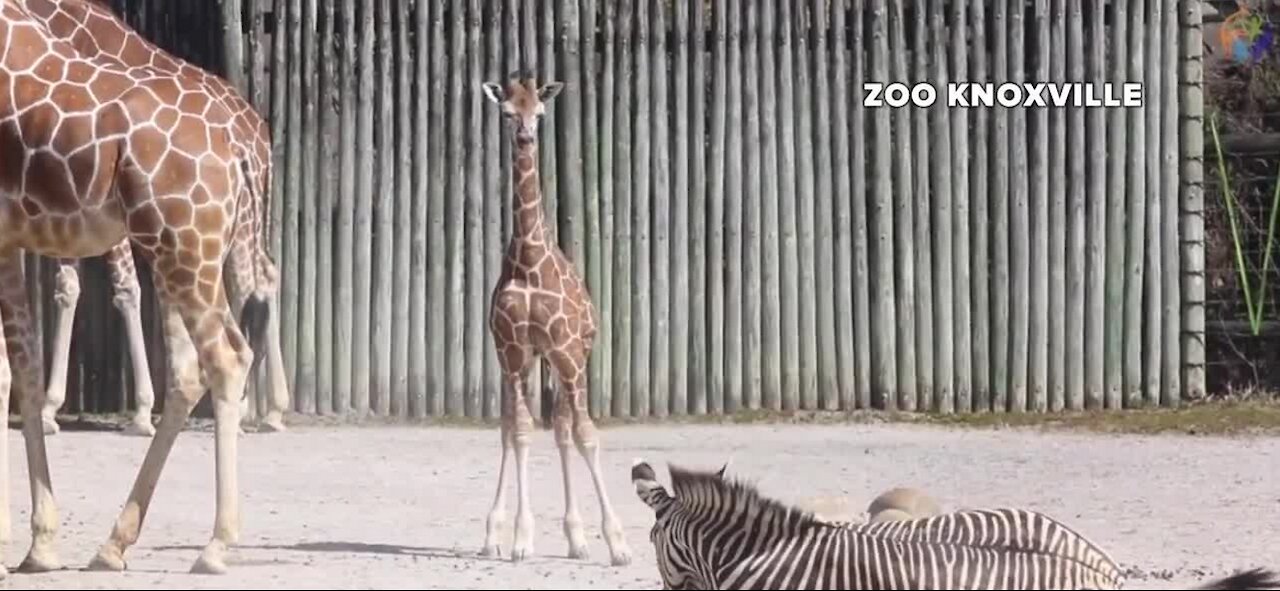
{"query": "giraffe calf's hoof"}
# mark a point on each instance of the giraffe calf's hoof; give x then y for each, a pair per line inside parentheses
(40, 562)
(519, 553)
(579, 552)
(491, 551)
(51, 427)
(139, 429)
(272, 426)
(107, 559)
(621, 558)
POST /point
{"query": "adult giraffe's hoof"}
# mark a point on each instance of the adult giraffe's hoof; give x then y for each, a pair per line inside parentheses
(272, 425)
(108, 559)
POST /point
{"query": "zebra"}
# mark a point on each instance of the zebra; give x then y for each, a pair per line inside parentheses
(713, 532)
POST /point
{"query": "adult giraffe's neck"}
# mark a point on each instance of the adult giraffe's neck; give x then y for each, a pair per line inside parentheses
(530, 221)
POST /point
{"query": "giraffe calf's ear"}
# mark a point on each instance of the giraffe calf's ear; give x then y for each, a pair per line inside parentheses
(550, 90)
(494, 91)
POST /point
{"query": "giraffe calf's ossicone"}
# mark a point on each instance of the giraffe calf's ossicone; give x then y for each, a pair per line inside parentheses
(540, 309)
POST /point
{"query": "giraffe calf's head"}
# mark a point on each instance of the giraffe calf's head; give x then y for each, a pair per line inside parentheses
(523, 103)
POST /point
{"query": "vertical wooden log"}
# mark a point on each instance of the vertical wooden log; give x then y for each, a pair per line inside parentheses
(716, 197)
(804, 210)
(344, 243)
(858, 214)
(437, 382)
(922, 220)
(1077, 190)
(1134, 357)
(640, 214)
(998, 208)
(419, 377)
(304, 386)
(569, 139)
(823, 212)
(1171, 314)
(771, 355)
(1116, 147)
(941, 167)
(1019, 240)
(403, 372)
(385, 214)
(365, 157)
(329, 96)
(732, 222)
(1058, 179)
(475, 277)
(789, 277)
(751, 197)
(962, 328)
(622, 286)
(1190, 202)
(233, 42)
(884, 332)
(494, 199)
(1152, 279)
(903, 216)
(549, 155)
(455, 214)
(595, 263)
(1095, 225)
(682, 193)
(1040, 139)
(698, 308)
(979, 221)
(608, 120)
(291, 238)
(660, 281)
(842, 100)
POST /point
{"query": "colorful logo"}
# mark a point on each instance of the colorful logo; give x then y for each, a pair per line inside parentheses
(1247, 36)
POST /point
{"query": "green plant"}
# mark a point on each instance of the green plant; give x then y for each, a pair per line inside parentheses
(1255, 310)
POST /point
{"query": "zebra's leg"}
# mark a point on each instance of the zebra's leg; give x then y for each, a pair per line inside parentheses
(66, 296)
(587, 439)
(562, 426)
(128, 300)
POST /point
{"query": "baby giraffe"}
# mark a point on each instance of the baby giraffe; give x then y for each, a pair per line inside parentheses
(540, 308)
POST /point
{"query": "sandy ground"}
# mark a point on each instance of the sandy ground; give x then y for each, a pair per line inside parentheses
(404, 507)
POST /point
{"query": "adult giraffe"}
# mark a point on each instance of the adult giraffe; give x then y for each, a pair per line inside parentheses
(93, 154)
(95, 31)
(540, 308)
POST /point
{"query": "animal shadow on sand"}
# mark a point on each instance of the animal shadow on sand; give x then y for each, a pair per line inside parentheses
(369, 548)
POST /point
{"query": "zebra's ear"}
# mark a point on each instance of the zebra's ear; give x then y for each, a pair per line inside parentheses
(645, 480)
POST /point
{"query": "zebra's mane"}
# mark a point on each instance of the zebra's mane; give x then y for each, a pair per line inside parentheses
(723, 498)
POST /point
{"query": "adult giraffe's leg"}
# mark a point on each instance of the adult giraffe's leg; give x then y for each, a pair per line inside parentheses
(128, 299)
(278, 402)
(562, 427)
(66, 296)
(27, 366)
(185, 390)
(225, 357)
(587, 439)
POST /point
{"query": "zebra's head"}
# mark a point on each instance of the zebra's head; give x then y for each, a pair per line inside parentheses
(673, 541)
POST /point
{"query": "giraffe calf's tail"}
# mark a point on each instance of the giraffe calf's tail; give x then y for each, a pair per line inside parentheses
(254, 317)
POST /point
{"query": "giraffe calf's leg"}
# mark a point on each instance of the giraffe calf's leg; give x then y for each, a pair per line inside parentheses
(587, 439)
(522, 547)
(66, 296)
(6, 386)
(278, 402)
(497, 518)
(128, 300)
(562, 427)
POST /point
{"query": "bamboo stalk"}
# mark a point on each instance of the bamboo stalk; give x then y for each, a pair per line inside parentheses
(1190, 202)
(1170, 233)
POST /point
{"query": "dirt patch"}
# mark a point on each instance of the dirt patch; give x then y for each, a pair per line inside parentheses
(404, 507)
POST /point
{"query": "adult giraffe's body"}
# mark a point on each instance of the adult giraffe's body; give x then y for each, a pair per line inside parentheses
(540, 308)
(95, 31)
(93, 154)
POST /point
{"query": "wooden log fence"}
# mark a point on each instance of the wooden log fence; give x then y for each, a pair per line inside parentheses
(754, 236)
